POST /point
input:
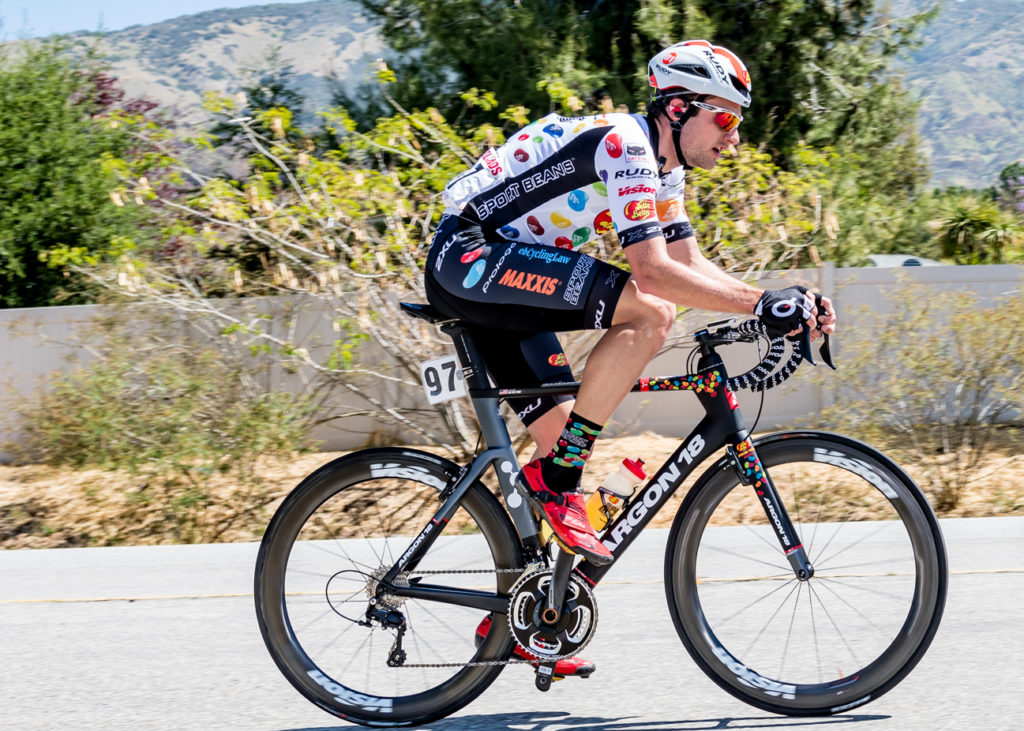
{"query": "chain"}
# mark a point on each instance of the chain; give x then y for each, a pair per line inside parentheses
(465, 664)
(465, 571)
(482, 663)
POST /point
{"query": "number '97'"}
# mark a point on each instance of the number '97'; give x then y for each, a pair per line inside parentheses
(433, 378)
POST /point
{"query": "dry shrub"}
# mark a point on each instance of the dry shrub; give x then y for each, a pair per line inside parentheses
(174, 413)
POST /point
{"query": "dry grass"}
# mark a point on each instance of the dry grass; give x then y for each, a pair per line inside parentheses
(44, 507)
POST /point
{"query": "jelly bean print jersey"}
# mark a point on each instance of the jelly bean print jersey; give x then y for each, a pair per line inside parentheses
(563, 181)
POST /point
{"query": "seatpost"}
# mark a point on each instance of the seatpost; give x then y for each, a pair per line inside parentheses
(469, 356)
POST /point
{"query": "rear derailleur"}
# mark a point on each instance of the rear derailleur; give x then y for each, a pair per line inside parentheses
(389, 619)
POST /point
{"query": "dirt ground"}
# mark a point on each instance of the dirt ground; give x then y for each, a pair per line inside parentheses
(46, 507)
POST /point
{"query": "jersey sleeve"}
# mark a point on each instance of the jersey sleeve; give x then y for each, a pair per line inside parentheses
(626, 164)
(669, 203)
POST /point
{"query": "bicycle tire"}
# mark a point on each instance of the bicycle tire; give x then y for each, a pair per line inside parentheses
(882, 580)
(315, 572)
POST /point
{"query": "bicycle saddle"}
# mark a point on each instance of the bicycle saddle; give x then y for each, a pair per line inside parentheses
(424, 312)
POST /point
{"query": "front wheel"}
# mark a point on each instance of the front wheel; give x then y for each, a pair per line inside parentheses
(833, 642)
(370, 657)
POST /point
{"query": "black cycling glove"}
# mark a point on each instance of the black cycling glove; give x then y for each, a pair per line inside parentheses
(784, 310)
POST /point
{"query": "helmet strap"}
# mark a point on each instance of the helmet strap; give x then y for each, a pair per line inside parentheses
(653, 110)
(660, 104)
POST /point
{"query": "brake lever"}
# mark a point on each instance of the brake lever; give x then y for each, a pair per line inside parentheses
(803, 341)
(825, 351)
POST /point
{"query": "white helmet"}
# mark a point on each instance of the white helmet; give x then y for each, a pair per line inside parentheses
(700, 68)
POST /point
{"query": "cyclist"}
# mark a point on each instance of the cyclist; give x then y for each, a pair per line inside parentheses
(505, 258)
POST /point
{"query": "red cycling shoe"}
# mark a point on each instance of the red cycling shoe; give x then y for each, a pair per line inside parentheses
(565, 512)
(569, 667)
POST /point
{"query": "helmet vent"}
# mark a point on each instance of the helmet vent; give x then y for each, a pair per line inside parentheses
(691, 69)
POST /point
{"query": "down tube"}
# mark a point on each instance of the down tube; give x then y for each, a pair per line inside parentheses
(710, 435)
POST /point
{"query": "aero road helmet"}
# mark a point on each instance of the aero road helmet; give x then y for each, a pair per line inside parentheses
(702, 69)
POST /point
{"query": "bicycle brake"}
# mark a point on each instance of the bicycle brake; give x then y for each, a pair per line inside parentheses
(804, 343)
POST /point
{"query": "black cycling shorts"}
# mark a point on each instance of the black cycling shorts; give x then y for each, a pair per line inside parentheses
(518, 295)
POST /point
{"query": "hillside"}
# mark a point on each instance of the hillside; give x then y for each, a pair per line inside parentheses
(175, 61)
(968, 73)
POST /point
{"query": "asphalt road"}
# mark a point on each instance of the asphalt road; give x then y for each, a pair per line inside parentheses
(166, 638)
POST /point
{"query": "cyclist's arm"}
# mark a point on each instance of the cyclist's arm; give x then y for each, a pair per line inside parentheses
(687, 252)
(682, 247)
(686, 281)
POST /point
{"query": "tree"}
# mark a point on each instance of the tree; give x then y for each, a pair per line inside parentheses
(1009, 190)
(814, 64)
(268, 85)
(822, 71)
(975, 230)
(55, 141)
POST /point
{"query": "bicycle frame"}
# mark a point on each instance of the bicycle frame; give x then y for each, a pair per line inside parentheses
(722, 426)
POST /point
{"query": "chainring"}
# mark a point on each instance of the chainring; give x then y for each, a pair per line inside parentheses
(569, 634)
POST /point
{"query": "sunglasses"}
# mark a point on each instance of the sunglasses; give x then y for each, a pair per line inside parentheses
(724, 118)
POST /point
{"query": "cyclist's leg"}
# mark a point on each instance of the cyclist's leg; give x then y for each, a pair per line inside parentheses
(546, 429)
(640, 325)
(519, 286)
(532, 359)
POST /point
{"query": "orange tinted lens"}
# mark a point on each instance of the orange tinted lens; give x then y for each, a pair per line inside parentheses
(727, 121)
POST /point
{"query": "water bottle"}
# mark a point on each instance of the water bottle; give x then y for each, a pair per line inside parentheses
(613, 493)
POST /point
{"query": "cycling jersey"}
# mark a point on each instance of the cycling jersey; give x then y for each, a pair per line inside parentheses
(563, 181)
(505, 259)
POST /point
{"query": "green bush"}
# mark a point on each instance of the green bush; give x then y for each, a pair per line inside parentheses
(934, 380)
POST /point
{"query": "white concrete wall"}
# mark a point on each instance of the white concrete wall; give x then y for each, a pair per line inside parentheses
(34, 342)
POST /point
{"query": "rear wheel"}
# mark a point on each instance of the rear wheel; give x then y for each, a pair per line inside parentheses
(852, 631)
(319, 565)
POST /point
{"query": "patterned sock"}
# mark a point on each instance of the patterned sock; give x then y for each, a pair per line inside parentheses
(563, 466)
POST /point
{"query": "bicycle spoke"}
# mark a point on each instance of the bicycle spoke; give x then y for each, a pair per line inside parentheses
(814, 629)
(785, 569)
(757, 601)
(839, 632)
(789, 631)
(764, 625)
(822, 559)
(865, 589)
(773, 545)
(850, 606)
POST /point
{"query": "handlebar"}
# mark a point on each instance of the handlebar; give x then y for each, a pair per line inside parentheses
(763, 375)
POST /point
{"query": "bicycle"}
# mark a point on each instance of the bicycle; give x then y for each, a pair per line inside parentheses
(376, 571)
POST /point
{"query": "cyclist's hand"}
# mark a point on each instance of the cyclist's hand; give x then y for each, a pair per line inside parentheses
(783, 311)
(826, 315)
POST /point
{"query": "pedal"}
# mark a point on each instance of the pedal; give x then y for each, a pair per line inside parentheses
(544, 675)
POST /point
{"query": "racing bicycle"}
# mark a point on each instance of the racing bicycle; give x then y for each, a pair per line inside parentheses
(805, 572)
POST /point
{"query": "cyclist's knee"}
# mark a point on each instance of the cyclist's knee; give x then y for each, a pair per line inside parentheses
(651, 315)
(655, 317)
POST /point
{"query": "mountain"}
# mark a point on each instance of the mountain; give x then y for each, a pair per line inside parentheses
(969, 76)
(175, 61)
(968, 73)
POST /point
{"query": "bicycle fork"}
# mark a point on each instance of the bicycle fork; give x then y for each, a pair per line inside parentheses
(722, 409)
(748, 466)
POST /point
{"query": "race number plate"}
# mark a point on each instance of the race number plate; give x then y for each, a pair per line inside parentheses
(442, 379)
